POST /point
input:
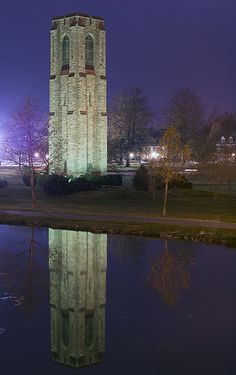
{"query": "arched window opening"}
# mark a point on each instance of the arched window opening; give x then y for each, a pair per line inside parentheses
(89, 52)
(65, 51)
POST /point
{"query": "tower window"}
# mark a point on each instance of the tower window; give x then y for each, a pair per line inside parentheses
(65, 51)
(89, 52)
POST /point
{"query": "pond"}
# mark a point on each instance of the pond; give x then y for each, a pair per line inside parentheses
(114, 304)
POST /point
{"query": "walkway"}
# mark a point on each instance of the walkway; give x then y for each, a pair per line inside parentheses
(121, 218)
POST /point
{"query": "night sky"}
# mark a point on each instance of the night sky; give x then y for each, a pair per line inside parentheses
(160, 45)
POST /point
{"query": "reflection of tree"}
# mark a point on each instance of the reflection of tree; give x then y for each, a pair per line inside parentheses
(23, 274)
(128, 248)
(170, 274)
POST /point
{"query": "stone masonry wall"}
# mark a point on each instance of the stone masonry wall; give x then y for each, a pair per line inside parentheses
(78, 117)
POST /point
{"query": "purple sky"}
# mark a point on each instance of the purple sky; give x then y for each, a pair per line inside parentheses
(160, 45)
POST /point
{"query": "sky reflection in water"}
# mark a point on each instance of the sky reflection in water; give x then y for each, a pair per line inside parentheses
(121, 304)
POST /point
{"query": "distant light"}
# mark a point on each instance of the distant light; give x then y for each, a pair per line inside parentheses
(233, 154)
(190, 170)
(36, 155)
(154, 154)
(131, 155)
(47, 156)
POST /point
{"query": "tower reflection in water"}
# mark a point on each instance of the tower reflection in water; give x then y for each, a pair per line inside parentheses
(77, 263)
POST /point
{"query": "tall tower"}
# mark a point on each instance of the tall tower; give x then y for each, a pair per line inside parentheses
(78, 117)
(77, 264)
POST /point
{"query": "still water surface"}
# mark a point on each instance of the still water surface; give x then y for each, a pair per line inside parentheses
(114, 304)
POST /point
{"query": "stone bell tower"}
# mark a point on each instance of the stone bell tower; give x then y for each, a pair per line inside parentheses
(78, 117)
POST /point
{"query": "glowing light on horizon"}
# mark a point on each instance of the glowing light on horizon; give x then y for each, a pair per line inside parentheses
(154, 155)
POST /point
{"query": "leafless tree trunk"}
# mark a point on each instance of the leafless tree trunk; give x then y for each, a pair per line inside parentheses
(32, 182)
(166, 168)
(165, 197)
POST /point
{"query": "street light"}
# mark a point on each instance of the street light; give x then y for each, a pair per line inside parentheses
(154, 154)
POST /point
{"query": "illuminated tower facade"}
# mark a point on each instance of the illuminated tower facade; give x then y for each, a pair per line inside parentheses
(78, 114)
(77, 264)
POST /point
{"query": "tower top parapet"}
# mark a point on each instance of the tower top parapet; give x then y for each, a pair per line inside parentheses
(78, 15)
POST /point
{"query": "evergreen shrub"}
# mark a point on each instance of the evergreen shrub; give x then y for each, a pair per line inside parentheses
(181, 182)
(41, 179)
(61, 185)
(108, 179)
(140, 180)
(27, 180)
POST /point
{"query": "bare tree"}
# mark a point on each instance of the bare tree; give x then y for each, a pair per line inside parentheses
(27, 134)
(223, 124)
(185, 113)
(166, 169)
(170, 274)
(129, 118)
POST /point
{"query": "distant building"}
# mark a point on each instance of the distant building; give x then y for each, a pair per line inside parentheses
(77, 264)
(226, 149)
(78, 114)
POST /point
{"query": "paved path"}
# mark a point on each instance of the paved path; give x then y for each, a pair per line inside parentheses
(121, 218)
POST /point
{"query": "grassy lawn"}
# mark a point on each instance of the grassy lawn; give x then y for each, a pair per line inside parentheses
(195, 203)
(183, 203)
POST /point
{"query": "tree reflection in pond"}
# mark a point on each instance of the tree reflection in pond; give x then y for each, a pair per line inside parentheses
(170, 273)
(128, 249)
(24, 277)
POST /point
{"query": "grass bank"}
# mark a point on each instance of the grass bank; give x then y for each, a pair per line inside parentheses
(225, 237)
